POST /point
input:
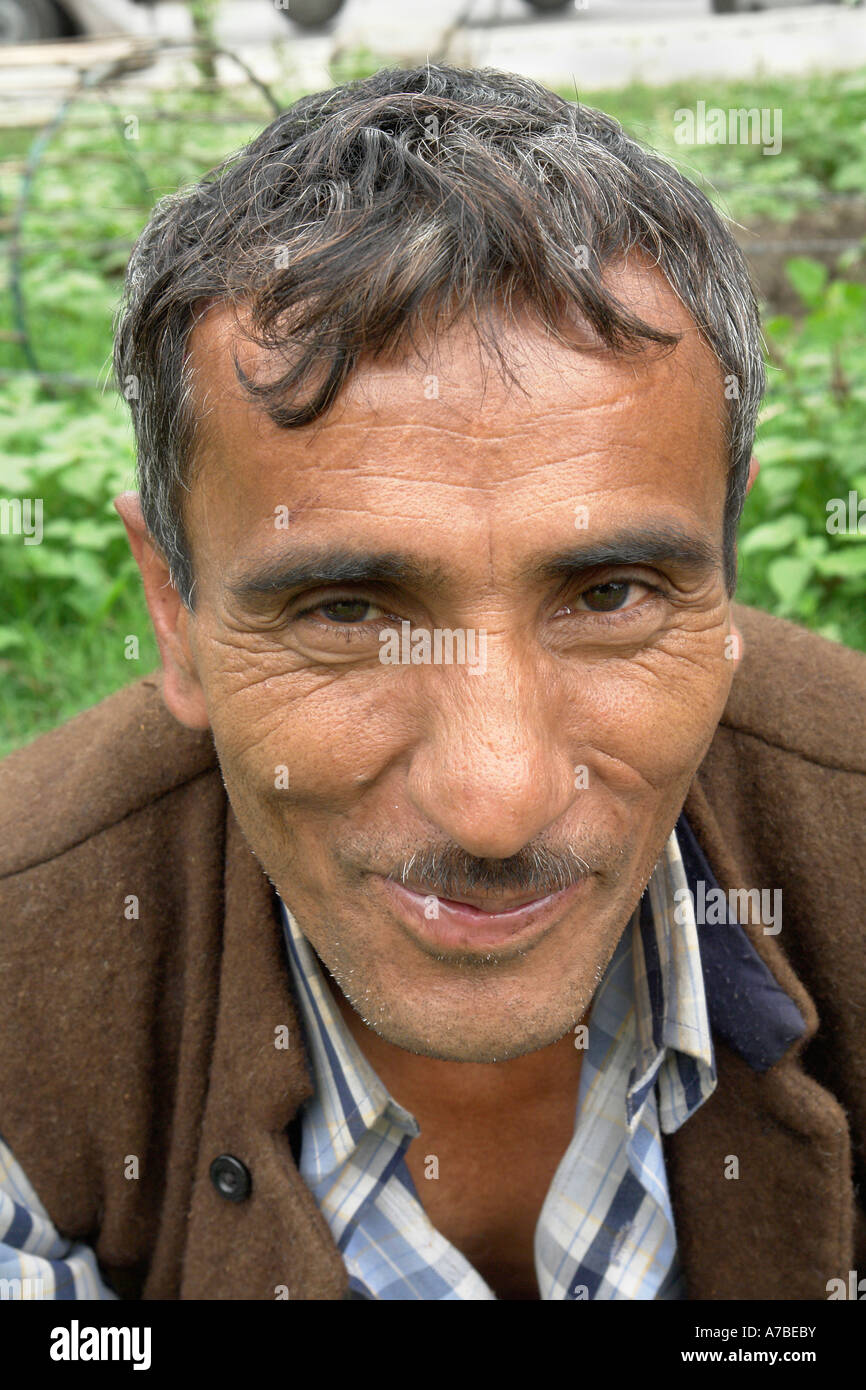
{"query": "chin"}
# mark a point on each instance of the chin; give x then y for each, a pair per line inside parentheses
(466, 1034)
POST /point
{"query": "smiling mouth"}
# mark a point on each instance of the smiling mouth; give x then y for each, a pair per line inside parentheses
(484, 905)
(478, 922)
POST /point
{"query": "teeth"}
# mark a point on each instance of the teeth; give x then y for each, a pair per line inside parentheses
(509, 907)
(461, 902)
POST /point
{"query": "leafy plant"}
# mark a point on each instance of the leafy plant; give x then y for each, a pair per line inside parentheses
(803, 543)
(71, 601)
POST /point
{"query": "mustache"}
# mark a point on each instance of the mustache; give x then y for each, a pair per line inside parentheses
(450, 872)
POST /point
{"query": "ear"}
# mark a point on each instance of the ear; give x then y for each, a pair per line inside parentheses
(754, 467)
(181, 688)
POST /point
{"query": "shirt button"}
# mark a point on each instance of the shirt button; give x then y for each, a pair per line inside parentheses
(231, 1178)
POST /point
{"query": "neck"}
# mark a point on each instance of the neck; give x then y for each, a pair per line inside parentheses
(423, 1084)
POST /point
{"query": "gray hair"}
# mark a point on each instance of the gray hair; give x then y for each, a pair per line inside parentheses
(431, 192)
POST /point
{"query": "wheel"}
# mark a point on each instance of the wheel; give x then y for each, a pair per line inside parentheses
(724, 6)
(549, 6)
(24, 20)
(309, 14)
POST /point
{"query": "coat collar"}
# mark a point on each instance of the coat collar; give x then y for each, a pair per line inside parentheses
(784, 1224)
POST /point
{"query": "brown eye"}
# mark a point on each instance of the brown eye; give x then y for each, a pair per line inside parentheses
(345, 610)
(605, 598)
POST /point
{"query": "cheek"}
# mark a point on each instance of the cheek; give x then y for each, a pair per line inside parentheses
(306, 741)
(647, 722)
(314, 741)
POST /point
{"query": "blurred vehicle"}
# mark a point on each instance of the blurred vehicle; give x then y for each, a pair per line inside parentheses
(746, 6)
(25, 20)
(21, 20)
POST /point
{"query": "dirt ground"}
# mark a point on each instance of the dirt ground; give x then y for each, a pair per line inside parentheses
(820, 233)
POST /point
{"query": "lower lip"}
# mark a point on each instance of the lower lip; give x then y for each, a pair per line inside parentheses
(461, 926)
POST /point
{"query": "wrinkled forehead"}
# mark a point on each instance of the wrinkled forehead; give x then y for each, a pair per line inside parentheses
(438, 423)
(454, 367)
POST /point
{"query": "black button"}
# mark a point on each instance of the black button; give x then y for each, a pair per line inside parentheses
(231, 1178)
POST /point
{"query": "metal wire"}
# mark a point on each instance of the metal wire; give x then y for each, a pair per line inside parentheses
(92, 81)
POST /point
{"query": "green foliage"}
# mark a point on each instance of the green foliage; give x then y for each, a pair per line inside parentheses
(796, 558)
(76, 459)
(70, 603)
(823, 125)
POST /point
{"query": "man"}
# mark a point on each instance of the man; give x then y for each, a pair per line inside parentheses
(387, 944)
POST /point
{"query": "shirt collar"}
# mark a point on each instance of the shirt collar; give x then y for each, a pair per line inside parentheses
(671, 1017)
(346, 1087)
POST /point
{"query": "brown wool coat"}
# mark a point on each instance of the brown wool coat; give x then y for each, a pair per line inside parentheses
(155, 1037)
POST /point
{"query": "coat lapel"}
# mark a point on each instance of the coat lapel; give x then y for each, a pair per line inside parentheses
(783, 1226)
(274, 1244)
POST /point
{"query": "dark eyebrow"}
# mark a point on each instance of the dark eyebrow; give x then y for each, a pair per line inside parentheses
(312, 567)
(309, 568)
(666, 544)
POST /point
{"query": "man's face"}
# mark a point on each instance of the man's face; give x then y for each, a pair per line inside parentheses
(479, 508)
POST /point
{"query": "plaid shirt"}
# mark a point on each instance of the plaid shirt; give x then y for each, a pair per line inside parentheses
(606, 1229)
